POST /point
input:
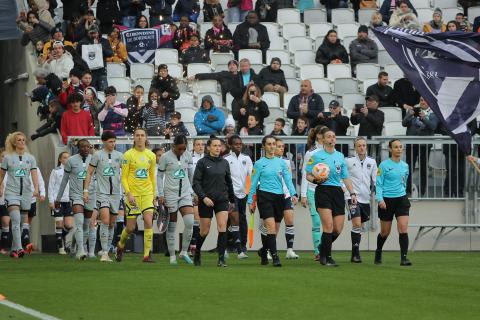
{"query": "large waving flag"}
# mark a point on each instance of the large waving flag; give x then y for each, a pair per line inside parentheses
(444, 68)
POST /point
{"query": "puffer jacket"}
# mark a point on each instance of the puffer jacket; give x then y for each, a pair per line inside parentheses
(331, 51)
(60, 67)
(43, 13)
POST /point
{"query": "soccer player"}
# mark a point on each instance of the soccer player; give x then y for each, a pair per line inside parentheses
(175, 192)
(393, 201)
(5, 218)
(314, 144)
(197, 154)
(362, 169)
(106, 165)
(18, 165)
(27, 218)
(212, 184)
(329, 197)
(240, 168)
(139, 185)
(287, 201)
(270, 171)
(75, 172)
(63, 215)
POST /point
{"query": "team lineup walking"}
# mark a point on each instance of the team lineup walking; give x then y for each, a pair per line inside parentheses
(220, 180)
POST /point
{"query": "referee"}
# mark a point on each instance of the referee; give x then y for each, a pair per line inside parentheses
(393, 201)
(329, 197)
(363, 172)
(270, 172)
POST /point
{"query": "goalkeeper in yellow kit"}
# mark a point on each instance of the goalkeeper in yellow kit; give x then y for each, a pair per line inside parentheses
(138, 181)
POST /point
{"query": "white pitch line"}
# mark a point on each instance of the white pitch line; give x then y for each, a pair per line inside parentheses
(31, 312)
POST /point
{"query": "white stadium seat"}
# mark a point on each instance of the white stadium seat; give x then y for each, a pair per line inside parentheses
(144, 82)
(232, 26)
(253, 55)
(394, 71)
(327, 97)
(257, 67)
(166, 56)
(121, 84)
(309, 71)
(187, 114)
(217, 58)
(277, 43)
(346, 42)
(185, 101)
(343, 15)
(288, 15)
(175, 70)
(299, 43)
(191, 128)
(394, 128)
(204, 26)
(287, 97)
(367, 70)
(321, 85)
(314, 16)
(367, 83)
(283, 55)
(418, 4)
(392, 114)
(141, 70)
(204, 86)
(289, 71)
(342, 86)
(275, 113)
(272, 99)
(302, 57)
(194, 68)
(424, 15)
(347, 30)
(365, 15)
(450, 13)
(293, 85)
(272, 28)
(294, 30)
(473, 12)
(349, 100)
(341, 70)
(116, 70)
(319, 30)
(445, 4)
(384, 58)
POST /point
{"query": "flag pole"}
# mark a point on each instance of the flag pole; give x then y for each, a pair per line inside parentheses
(475, 165)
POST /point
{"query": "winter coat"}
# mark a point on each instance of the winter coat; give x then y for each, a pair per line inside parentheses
(259, 109)
(153, 122)
(40, 32)
(186, 7)
(205, 127)
(331, 51)
(385, 9)
(160, 7)
(210, 10)
(134, 116)
(113, 119)
(74, 7)
(338, 124)
(194, 55)
(129, 9)
(49, 44)
(94, 110)
(315, 106)
(431, 27)
(384, 94)
(405, 93)
(43, 13)
(108, 11)
(404, 20)
(371, 125)
(421, 127)
(52, 125)
(218, 187)
(119, 51)
(363, 51)
(177, 130)
(224, 40)
(269, 76)
(239, 87)
(240, 36)
(169, 85)
(60, 67)
(181, 39)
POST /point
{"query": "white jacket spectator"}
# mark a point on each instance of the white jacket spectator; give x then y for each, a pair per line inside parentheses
(59, 62)
(41, 7)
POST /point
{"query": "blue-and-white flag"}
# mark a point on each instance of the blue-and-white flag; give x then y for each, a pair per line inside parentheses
(141, 44)
(444, 68)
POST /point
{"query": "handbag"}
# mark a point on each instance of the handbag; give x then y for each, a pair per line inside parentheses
(92, 54)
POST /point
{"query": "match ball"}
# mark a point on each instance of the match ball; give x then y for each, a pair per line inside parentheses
(321, 171)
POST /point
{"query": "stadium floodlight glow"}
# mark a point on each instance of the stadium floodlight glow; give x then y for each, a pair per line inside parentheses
(22, 76)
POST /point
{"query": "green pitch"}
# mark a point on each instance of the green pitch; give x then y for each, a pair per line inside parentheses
(437, 286)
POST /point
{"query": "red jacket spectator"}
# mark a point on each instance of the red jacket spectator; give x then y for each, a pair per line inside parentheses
(76, 122)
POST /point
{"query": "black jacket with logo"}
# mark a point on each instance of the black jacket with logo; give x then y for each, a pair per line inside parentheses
(218, 187)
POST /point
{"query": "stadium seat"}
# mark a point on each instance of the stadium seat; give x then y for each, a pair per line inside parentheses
(194, 68)
(221, 67)
(282, 54)
(204, 26)
(204, 86)
(217, 98)
(290, 30)
(166, 56)
(424, 15)
(343, 15)
(319, 30)
(287, 97)
(349, 100)
(341, 70)
(327, 97)
(289, 71)
(101, 96)
(473, 12)
(384, 58)
(217, 58)
(275, 113)
(299, 43)
(185, 101)
(293, 85)
(450, 13)
(232, 26)
(277, 43)
(418, 4)
(347, 30)
(272, 99)
(187, 114)
(257, 67)
(144, 82)
(342, 86)
(116, 70)
(346, 42)
(141, 70)
(394, 128)
(367, 70)
(121, 84)
(367, 83)
(392, 114)
(394, 71)
(288, 15)
(191, 128)
(365, 15)
(254, 55)
(308, 71)
(175, 70)
(445, 4)
(321, 85)
(314, 16)
(268, 126)
(272, 28)
(302, 57)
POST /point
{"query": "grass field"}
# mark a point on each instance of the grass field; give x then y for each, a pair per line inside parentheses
(438, 286)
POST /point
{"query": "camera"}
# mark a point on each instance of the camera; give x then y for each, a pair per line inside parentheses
(416, 112)
(327, 114)
(358, 107)
(251, 93)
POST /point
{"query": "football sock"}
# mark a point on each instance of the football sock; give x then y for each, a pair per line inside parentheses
(289, 236)
(4, 238)
(111, 232)
(147, 241)
(16, 233)
(403, 240)
(263, 234)
(172, 227)
(119, 225)
(380, 241)
(236, 238)
(334, 237)
(316, 232)
(86, 228)
(272, 244)
(187, 231)
(356, 237)
(104, 233)
(200, 241)
(25, 234)
(196, 232)
(221, 245)
(59, 237)
(326, 245)
(79, 222)
(123, 238)
(92, 240)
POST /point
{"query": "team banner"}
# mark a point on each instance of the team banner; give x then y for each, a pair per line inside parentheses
(141, 44)
(444, 68)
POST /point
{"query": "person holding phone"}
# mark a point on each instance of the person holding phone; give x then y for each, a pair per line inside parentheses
(252, 104)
